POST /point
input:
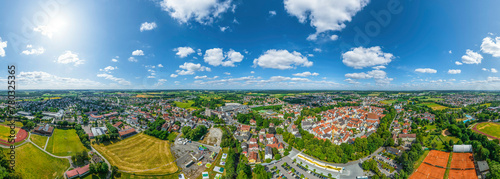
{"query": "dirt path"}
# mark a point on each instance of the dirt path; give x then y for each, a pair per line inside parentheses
(445, 132)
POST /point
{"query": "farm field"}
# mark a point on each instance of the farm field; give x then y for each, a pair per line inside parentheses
(31, 162)
(488, 128)
(39, 140)
(140, 154)
(65, 143)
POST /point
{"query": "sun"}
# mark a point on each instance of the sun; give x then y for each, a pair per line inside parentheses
(58, 25)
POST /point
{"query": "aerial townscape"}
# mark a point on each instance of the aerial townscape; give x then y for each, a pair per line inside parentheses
(249, 89)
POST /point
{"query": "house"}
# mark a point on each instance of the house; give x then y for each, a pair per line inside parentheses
(78, 172)
(261, 138)
(252, 158)
(126, 133)
(118, 125)
(262, 131)
(93, 117)
(253, 141)
(268, 153)
(279, 146)
(253, 122)
(97, 131)
(244, 128)
(393, 151)
(408, 137)
(244, 148)
(269, 138)
(253, 147)
(44, 130)
(483, 167)
(165, 126)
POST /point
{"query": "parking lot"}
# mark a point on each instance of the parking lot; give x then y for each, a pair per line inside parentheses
(389, 161)
(186, 151)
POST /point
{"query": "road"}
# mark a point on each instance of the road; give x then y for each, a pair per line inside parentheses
(108, 176)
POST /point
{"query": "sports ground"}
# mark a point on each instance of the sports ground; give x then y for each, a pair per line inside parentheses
(435, 164)
(31, 162)
(21, 134)
(490, 129)
(65, 142)
(140, 154)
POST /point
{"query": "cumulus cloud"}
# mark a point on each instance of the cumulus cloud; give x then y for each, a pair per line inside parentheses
(44, 30)
(3, 44)
(306, 74)
(454, 71)
(174, 75)
(69, 57)
(334, 37)
(272, 13)
(379, 76)
(112, 78)
(44, 80)
(378, 67)
(471, 57)
(132, 59)
(160, 82)
(160, 66)
(425, 70)
(252, 72)
(458, 63)
(108, 69)
(148, 26)
(227, 73)
(138, 53)
(32, 51)
(190, 68)
(223, 29)
(324, 15)
(183, 51)
(114, 60)
(281, 59)
(202, 11)
(317, 49)
(361, 57)
(216, 57)
(491, 46)
(492, 70)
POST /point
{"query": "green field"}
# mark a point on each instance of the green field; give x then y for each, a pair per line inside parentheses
(388, 101)
(140, 154)
(17, 123)
(186, 105)
(65, 143)
(5, 132)
(31, 162)
(433, 106)
(39, 140)
(489, 128)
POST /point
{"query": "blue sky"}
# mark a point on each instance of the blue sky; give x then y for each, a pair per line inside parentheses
(258, 44)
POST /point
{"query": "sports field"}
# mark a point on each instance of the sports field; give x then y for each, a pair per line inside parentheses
(65, 143)
(140, 154)
(5, 132)
(489, 129)
(39, 140)
(31, 162)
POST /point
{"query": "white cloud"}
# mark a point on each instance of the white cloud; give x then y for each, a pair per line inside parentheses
(306, 74)
(114, 60)
(108, 69)
(324, 15)
(272, 13)
(458, 63)
(227, 73)
(281, 59)
(379, 76)
(493, 70)
(173, 75)
(449, 52)
(378, 67)
(190, 68)
(132, 59)
(334, 37)
(216, 57)
(183, 51)
(112, 78)
(44, 30)
(3, 44)
(69, 57)
(151, 77)
(223, 29)
(44, 80)
(160, 82)
(490, 47)
(252, 72)
(203, 11)
(472, 57)
(148, 26)
(160, 66)
(425, 70)
(138, 53)
(361, 57)
(200, 77)
(317, 49)
(31, 51)
(454, 71)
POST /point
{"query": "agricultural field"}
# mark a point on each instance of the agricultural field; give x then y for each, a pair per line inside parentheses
(433, 106)
(491, 129)
(65, 143)
(39, 140)
(140, 154)
(5, 132)
(186, 105)
(31, 162)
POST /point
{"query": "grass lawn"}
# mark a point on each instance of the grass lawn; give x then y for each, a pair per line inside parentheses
(186, 105)
(17, 123)
(132, 176)
(95, 176)
(140, 154)
(433, 106)
(447, 172)
(31, 162)
(5, 132)
(420, 160)
(435, 139)
(447, 138)
(65, 142)
(388, 101)
(489, 128)
(39, 140)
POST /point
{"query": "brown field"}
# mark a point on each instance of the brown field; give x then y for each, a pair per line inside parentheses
(437, 158)
(462, 161)
(428, 171)
(462, 174)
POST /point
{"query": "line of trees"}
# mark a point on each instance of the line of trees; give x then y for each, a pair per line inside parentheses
(194, 134)
(84, 138)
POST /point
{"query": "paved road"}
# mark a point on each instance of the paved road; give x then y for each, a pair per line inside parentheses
(105, 160)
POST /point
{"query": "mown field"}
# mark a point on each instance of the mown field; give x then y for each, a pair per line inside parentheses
(489, 128)
(64, 143)
(433, 106)
(5, 132)
(186, 105)
(140, 154)
(39, 140)
(31, 162)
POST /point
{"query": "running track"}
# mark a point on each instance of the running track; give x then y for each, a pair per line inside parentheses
(490, 136)
(20, 136)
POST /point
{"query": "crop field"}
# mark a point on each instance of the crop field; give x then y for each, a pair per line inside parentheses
(39, 140)
(140, 154)
(489, 129)
(31, 162)
(65, 143)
